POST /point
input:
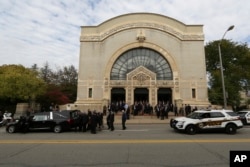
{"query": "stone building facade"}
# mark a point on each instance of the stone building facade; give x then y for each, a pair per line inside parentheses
(141, 57)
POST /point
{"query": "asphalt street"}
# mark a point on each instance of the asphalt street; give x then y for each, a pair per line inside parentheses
(141, 145)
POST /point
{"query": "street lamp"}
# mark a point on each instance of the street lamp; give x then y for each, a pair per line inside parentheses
(221, 68)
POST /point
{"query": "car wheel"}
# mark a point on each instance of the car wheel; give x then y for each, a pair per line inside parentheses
(191, 129)
(231, 129)
(57, 129)
(11, 129)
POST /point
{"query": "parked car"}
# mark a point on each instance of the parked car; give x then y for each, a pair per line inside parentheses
(225, 120)
(244, 116)
(56, 121)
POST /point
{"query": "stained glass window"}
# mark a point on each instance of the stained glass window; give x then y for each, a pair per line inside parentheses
(134, 58)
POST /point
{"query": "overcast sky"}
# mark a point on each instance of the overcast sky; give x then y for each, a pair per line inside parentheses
(40, 31)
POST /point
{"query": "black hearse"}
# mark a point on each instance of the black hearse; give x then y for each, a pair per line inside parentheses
(56, 121)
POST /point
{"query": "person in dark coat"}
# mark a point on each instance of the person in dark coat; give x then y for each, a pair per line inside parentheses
(128, 113)
(108, 119)
(157, 110)
(175, 110)
(85, 120)
(23, 124)
(89, 120)
(79, 123)
(100, 120)
(162, 112)
(93, 122)
(111, 121)
(124, 118)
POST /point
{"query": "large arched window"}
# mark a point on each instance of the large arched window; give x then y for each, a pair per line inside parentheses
(134, 58)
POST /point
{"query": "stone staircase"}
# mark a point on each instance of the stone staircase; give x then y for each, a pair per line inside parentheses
(142, 119)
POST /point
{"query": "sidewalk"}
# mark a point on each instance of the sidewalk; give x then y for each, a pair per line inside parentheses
(142, 119)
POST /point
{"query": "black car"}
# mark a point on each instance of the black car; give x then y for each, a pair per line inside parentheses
(56, 121)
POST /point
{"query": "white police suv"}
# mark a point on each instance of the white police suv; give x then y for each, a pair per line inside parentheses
(203, 120)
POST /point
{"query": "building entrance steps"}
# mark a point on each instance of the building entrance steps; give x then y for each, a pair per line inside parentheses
(142, 119)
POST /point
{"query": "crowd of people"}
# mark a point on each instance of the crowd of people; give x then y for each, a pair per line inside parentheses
(89, 121)
(161, 110)
(93, 121)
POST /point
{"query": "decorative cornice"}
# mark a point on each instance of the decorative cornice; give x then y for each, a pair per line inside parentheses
(140, 70)
(167, 29)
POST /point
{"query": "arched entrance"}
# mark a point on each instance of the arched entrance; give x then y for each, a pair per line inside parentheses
(141, 95)
(164, 95)
(139, 72)
(118, 95)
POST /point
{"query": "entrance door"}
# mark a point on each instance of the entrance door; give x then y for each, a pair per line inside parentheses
(164, 95)
(141, 94)
(117, 95)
